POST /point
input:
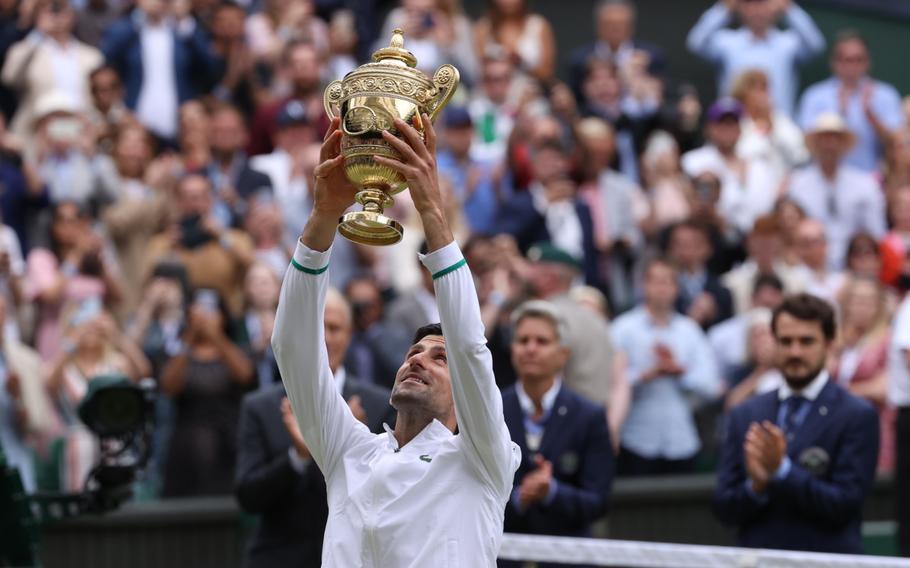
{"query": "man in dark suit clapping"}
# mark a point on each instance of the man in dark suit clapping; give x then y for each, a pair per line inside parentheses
(563, 483)
(798, 462)
(276, 478)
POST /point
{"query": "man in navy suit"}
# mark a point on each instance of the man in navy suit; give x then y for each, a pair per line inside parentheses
(563, 482)
(275, 476)
(615, 28)
(798, 462)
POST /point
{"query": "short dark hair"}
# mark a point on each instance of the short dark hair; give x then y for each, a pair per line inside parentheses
(427, 330)
(848, 35)
(806, 307)
(767, 281)
(658, 261)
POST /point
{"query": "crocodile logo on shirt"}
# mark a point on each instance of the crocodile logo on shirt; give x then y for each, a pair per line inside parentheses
(426, 458)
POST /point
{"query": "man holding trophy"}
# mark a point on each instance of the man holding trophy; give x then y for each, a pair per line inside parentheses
(432, 491)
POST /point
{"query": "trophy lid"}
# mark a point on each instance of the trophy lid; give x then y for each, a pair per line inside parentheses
(396, 51)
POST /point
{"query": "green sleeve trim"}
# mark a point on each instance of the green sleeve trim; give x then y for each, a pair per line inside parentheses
(303, 268)
(452, 268)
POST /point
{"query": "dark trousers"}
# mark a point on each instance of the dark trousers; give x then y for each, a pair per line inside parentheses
(902, 481)
(629, 463)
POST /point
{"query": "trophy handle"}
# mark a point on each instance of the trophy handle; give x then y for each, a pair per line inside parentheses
(332, 96)
(446, 81)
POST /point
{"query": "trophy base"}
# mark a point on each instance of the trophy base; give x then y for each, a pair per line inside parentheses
(370, 228)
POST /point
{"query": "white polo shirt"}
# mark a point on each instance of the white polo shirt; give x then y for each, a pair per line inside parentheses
(438, 501)
(899, 383)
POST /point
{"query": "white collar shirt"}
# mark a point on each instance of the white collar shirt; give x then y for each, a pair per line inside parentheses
(810, 392)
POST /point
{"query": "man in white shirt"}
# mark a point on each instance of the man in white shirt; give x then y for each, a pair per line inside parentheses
(845, 199)
(899, 396)
(815, 273)
(418, 495)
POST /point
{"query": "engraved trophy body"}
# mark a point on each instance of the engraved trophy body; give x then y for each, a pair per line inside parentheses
(369, 98)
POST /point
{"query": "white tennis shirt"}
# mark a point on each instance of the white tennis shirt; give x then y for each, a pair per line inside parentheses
(439, 500)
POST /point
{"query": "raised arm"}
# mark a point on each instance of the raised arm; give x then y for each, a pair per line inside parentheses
(478, 404)
(298, 339)
(702, 39)
(811, 40)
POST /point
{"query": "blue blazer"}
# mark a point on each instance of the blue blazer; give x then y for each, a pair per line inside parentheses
(577, 442)
(819, 505)
(519, 218)
(196, 67)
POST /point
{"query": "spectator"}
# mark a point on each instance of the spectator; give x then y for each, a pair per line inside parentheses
(95, 348)
(343, 40)
(870, 108)
(748, 188)
(276, 476)
(563, 483)
(758, 43)
(631, 112)
(261, 301)
(701, 295)
(285, 167)
(24, 195)
(845, 199)
(233, 180)
(899, 397)
(436, 32)
(108, 113)
(819, 279)
(239, 84)
(896, 243)
(142, 210)
(473, 179)
(732, 342)
(666, 186)
(164, 60)
(75, 267)
(377, 344)
(782, 449)
(65, 155)
(49, 60)
(206, 381)
(159, 320)
(26, 415)
(861, 354)
(764, 247)
(493, 108)
(214, 257)
(550, 211)
(301, 68)
(614, 26)
(280, 23)
(265, 228)
(12, 281)
(863, 257)
(618, 208)
(669, 358)
(194, 138)
(768, 135)
(789, 215)
(94, 17)
(759, 373)
(526, 37)
(16, 20)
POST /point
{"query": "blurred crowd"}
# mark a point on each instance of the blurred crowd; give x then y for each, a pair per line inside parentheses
(156, 163)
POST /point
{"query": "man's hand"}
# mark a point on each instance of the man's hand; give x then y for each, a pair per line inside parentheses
(536, 485)
(290, 422)
(418, 166)
(774, 447)
(333, 192)
(703, 309)
(752, 454)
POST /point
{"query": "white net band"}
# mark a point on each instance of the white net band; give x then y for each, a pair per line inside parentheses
(601, 552)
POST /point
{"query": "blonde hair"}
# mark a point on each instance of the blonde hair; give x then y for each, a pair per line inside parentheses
(746, 81)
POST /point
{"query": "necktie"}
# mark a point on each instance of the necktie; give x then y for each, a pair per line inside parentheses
(794, 406)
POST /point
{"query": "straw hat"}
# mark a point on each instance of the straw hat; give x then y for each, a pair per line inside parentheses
(830, 123)
(54, 102)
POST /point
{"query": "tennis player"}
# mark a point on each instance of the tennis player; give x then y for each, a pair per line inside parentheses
(431, 492)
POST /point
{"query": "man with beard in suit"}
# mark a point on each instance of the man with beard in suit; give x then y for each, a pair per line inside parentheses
(798, 462)
(276, 477)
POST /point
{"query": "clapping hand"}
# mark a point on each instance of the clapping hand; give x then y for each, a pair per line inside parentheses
(764, 449)
(536, 485)
(290, 423)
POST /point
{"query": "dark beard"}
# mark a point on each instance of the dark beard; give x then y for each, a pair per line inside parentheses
(801, 381)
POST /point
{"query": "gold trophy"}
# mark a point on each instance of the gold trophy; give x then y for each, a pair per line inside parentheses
(370, 98)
